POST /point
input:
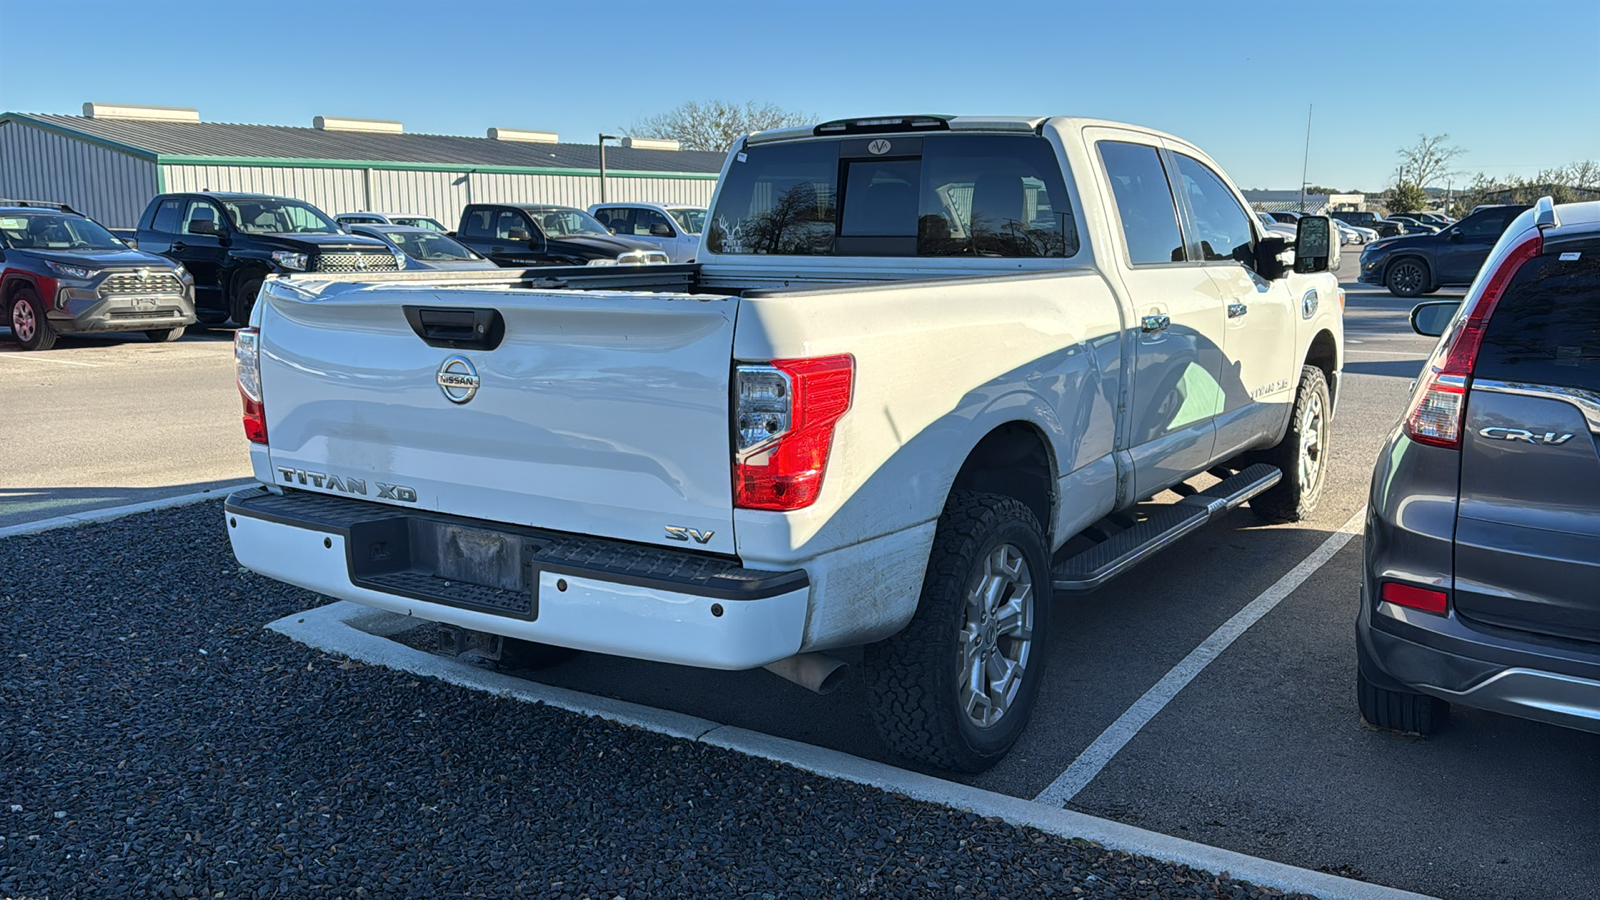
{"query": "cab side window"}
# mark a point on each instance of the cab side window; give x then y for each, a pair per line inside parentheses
(1144, 202)
(1221, 225)
(168, 216)
(201, 209)
(618, 219)
(1485, 225)
(477, 224)
(508, 221)
(646, 219)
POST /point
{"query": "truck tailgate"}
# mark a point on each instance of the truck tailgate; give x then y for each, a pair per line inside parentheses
(598, 413)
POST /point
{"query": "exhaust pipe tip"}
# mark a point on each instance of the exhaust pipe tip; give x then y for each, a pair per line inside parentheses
(816, 672)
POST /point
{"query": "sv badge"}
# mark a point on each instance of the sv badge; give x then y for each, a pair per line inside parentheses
(679, 533)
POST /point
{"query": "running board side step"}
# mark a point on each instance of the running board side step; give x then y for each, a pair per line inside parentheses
(1108, 559)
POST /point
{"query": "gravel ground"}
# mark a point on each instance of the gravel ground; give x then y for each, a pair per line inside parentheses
(156, 741)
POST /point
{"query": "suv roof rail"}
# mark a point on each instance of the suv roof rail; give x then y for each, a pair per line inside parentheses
(1544, 213)
(43, 204)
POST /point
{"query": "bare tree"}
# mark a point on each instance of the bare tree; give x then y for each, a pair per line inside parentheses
(716, 124)
(1428, 160)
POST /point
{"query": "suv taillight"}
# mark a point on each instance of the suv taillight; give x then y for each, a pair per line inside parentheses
(784, 417)
(1436, 410)
(247, 365)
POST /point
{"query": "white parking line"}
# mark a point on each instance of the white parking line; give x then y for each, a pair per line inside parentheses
(352, 631)
(1111, 741)
(34, 357)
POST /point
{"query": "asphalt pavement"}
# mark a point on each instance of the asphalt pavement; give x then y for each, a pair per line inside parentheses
(1263, 752)
(111, 419)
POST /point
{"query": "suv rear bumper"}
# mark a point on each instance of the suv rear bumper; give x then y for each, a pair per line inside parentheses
(573, 591)
(1508, 672)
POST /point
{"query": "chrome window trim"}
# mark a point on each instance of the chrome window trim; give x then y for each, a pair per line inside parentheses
(1588, 402)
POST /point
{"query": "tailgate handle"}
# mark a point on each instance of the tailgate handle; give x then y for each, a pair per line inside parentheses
(457, 328)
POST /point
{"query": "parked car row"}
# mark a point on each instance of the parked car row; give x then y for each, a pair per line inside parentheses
(1414, 264)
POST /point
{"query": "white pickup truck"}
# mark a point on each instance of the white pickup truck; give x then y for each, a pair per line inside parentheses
(927, 373)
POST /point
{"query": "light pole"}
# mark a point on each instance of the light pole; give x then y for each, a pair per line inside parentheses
(602, 142)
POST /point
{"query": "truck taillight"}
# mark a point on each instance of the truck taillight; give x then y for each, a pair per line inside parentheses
(247, 364)
(784, 417)
(1439, 403)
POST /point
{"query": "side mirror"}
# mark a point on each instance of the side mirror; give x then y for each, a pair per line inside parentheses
(1315, 250)
(518, 234)
(204, 226)
(1432, 318)
(660, 230)
(1269, 258)
(1454, 234)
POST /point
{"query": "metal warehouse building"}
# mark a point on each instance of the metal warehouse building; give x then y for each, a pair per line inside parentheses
(110, 161)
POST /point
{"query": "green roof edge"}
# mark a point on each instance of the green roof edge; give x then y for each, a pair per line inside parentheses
(25, 119)
(167, 159)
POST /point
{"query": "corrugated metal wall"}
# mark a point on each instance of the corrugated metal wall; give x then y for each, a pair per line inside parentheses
(439, 194)
(109, 186)
(331, 190)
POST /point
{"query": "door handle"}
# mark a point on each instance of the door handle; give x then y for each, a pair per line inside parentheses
(1153, 324)
(1235, 310)
(498, 250)
(178, 245)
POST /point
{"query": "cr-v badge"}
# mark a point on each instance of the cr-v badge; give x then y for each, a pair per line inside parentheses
(1523, 434)
(458, 379)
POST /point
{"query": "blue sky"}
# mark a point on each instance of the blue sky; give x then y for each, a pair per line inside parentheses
(1516, 85)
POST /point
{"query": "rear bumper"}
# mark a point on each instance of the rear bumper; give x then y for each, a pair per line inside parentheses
(586, 593)
(1501, 671)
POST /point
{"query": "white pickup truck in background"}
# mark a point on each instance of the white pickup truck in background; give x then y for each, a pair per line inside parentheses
(927, 372)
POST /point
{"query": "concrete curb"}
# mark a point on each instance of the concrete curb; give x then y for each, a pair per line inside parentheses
(354, 631)
(106, 514)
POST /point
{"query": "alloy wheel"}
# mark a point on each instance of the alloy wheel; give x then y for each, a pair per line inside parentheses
(23, 324)
(1407, 278)
(996, 636)
(1313, 443)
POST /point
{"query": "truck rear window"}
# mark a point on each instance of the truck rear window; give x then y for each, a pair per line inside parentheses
(930, 195)
(1546, 329)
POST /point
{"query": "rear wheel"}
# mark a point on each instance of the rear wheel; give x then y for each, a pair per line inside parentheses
(955, 688)
(164, 335)
(244, 300)
(210, 316)
(1301, 455)
(1407, 277)
(1405, 711)
(29, 325)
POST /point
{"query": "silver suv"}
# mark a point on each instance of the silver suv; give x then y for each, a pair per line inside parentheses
(1481, 583)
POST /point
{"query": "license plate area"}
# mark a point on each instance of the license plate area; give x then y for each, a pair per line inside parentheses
(444, 562)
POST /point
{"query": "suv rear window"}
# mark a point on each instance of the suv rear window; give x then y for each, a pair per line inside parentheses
(1546, 328)
(932, 195)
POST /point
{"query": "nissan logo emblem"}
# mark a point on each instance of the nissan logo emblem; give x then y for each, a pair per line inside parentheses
(458, 379)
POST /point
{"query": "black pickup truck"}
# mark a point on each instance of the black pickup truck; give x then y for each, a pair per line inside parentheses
(527, 234)
(230, 243)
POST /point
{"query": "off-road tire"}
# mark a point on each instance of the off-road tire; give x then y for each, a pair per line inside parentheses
(1404, 711)
(43, 334)
(1292, 498)
(1407, 277)
(913, 683)
(164, 335)
(244, 300)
